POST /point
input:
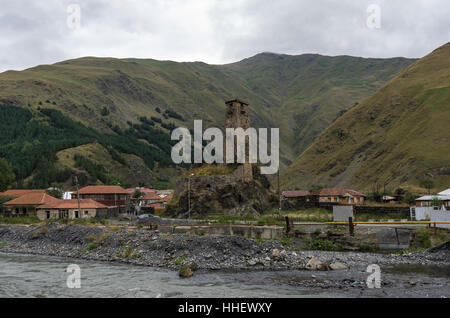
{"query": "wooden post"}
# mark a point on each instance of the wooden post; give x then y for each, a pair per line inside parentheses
(434, 229)
(279, 195)
(78, 197)
(288, 225)
(189, 197)
(351, 227)
(396, 235)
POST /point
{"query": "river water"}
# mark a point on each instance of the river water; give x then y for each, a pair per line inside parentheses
(43, 276)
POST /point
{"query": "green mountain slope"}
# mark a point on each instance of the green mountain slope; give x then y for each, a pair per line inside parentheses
(35, 143)
(300, 94)
(397, 136)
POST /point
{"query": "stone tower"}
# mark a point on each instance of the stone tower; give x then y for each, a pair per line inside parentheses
(237, 115)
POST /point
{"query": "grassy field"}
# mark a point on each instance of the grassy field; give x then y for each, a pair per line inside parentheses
(272, 217)
(20, 220)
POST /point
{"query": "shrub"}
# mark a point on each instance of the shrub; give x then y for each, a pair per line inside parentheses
(20, 220)
(179, 260)
(324, 245)
(105, 111)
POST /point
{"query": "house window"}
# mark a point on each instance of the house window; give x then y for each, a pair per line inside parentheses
(86, 213)
(76, 215)
(48, 214)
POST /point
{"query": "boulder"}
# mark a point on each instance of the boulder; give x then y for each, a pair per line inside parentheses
(336, 266)
(187, 270)
(315, 264)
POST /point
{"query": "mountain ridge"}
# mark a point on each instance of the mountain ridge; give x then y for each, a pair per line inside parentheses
(397, 136)
(300, 94)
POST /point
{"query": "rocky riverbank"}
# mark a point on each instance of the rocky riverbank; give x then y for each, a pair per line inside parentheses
(151, 248)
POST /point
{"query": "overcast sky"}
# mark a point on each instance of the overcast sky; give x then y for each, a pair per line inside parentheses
(216, 31)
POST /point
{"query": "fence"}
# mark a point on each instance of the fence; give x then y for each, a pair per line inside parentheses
(420, 213)
(342, 213)
(441, 216)
(391, 211)
(290, 204)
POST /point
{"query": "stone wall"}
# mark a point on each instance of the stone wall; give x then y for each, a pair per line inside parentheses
(256, 232)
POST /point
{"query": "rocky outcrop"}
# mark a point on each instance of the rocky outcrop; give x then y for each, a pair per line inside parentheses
(445, 247)
(315, 264)
(228, 194)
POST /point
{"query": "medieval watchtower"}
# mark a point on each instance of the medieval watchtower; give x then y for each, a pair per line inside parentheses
(237, 115)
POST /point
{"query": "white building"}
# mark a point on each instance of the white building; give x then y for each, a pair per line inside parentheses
(445, 192)
(424, 209)
(67, 195)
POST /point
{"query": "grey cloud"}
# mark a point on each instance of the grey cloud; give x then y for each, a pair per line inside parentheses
(216, 31)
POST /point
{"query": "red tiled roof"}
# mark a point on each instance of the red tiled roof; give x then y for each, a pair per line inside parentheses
(19, 192)
(164, 191)
(143, 190)
(73, 204)
(152, 196)
(296, 194)
(33, 198)
(167, 198)
(103, 190)
(337, 192)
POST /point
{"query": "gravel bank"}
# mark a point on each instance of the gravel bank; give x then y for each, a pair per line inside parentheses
(151, 248)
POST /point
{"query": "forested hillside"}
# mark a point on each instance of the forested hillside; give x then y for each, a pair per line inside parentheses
(30, 140)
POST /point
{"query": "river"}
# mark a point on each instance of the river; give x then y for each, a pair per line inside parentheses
(43, 276)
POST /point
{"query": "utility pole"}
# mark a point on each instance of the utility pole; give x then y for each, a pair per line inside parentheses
(78, 196)
(279, 195)
(189, 195)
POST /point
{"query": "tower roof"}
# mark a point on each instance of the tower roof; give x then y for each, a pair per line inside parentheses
(237, 101)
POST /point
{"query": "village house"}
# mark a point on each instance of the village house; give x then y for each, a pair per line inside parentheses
(166, 198)
(111, 196)
(27, 204)
(152, 197)
(156, 201)
(143, 190)
(427, 200)
(433, 207)
(72, 209)
(296, 194)
(338, 195)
